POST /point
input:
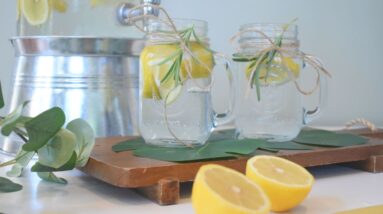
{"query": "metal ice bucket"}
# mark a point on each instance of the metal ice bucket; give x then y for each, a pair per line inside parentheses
(91, 78)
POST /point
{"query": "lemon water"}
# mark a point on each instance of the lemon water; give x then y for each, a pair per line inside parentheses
(189, 117)
(94, 18)
(278, 116)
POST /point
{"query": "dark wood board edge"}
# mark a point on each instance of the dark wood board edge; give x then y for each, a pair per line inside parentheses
(145, 177)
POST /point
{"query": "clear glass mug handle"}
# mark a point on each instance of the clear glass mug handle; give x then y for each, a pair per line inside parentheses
(310, 115)
(228, 115)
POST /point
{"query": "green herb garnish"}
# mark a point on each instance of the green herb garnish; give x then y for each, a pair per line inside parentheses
(174, 71)
(262, 60)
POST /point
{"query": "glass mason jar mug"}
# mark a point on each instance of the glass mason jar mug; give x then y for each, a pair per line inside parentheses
(269, 99)
(175, 99)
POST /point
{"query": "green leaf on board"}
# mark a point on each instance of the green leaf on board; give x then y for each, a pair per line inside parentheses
(22, 159)
(276, 146)
(222, 144)
(11, 120)
(210, 151)
(228, 134)
(43, 127)
(71, 164)
(85, 139)
(269, 149)
(129, 145)
(58, 150)
(7, 185)
(329, 139)
(51, 177)
(1, 98)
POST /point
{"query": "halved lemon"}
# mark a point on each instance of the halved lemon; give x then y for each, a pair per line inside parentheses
(154, 71)
(278, 72)
(36, 12)
(286, 183)
(221, 190)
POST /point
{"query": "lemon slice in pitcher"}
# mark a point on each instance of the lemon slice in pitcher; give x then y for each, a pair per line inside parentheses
(60, 6)
(18, 9)
(36, 12)
(96, 3)
(277, 73)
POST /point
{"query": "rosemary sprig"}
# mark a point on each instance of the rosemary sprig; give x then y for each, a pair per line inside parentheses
(177, 56)
(266, 60)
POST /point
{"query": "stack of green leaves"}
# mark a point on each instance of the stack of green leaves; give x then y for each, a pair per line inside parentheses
(224, 145)
(56, 148)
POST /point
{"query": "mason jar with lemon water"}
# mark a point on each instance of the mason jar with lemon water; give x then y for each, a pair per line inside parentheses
(176, 108)
(273, 111)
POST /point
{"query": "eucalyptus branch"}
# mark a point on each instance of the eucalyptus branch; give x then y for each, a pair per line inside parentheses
(13, 161)
(23, 135)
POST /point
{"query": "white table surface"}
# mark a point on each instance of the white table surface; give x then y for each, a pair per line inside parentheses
(336, 188)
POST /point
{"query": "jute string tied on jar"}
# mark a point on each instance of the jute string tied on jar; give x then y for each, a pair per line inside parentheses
(174, 35)
(273, 50)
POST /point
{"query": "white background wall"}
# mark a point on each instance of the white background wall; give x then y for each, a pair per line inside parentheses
(346, 34)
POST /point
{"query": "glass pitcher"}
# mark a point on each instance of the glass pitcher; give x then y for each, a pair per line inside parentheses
(91, 18)
(176, 108)
(275, 112)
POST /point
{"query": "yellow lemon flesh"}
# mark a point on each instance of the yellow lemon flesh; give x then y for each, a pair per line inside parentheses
(96, 3)
(286, 184)
(153, 72)
(60, 6)
(36, 12)
(221, 190)
(277, 73)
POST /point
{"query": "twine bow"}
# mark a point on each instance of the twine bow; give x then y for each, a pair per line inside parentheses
(271, 51)
(173, 35)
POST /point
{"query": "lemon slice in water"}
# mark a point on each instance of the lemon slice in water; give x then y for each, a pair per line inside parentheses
(59, 5)
(95, 3)
(153, 72)
(200, 68)
(277, 73)
(36, 12)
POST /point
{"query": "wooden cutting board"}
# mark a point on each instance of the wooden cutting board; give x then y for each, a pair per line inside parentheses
(160, 180)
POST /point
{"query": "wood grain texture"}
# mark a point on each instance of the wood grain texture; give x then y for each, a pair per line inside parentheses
(160, 180)
(126, 170)
(165, 192)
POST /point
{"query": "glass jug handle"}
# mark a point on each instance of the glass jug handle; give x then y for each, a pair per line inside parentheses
(310, 115)
(228, 115)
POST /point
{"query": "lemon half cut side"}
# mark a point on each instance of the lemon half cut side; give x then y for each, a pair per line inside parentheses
(220, 190)
(286, 183)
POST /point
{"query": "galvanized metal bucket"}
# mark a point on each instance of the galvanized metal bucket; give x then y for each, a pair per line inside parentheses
(91, 78)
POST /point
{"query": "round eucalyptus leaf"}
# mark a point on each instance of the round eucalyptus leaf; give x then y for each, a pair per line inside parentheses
(58, 150)
(85, 140)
